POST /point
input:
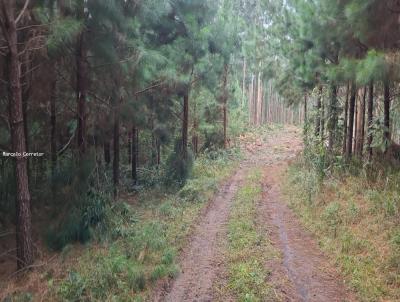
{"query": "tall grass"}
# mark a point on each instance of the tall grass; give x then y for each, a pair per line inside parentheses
(356, 218)
(143, 239)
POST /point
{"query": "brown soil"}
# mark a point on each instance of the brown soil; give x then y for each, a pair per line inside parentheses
(303, 274)
(312, 277)
(200, 262)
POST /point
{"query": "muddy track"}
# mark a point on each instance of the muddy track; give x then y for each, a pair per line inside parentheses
(302, 274)
(200, 263)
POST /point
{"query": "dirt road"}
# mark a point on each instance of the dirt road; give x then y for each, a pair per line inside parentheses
(303, 272)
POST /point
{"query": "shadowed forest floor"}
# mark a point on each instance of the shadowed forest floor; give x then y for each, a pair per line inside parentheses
(293, 266)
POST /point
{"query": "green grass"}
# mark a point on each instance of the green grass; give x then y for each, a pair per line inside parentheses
(356, 221)
(144, 239)
(248, 248)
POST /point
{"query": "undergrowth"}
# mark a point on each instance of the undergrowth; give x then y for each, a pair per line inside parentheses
(356, 218)
(143, 238)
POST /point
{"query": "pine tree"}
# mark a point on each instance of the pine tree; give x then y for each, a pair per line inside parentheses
(8, 22)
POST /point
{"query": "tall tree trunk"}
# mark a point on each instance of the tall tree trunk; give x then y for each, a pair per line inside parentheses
(25, 99)
(224, 103)
(129, 148)
(81, 91)
(225, 117)
(185, 124)
(195, 137)
(332, 117)
(255, 97)
(134, 161)
(158, 152)
(107, 152)
(386, 122)
(346, 117)
(251, 92)
(318, 113)
(116, 148)
(18, 140)
(362, 124)
(351, 122)
(153, 141)
(370, 119)
(258, 107)
(322, 119)
(305, 108)
(53, 128)
(356, 119)
(244, 82)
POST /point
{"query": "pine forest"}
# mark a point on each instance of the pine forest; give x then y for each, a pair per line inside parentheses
(200, 150)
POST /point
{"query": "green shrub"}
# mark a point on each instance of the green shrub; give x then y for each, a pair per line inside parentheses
(168, 257)
(77, 225)
(178, 166)
(332, 216)
(136, 278)
(73, 288)
(353, 212)
(162, 270)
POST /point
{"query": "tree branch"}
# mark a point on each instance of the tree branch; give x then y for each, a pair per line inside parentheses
(63, 149)
(104, 102)
(148, 88)
(22, 11)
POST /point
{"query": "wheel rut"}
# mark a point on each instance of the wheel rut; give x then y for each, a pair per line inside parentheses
(311, 276)
(302, 273)
(200, 263)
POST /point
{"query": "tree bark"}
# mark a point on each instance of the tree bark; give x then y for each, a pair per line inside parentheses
(346, 116)
(386, 122)
(107, 152)
(355, 140)
(153, 141)
(81, 92)
(23, 198)
(322, 119)
(185, 124)
(195, 137)
(318, 114)
(129, 148)
(244, 82)
(158, 152)
(224, 103)
(370, 119)
(258, 107)
(332, 118)
(25, 99)
(305, 108)
(116, 149)
(362, 125)
(251, 92)
(53, 128)
(134, 161)
(349, 150)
